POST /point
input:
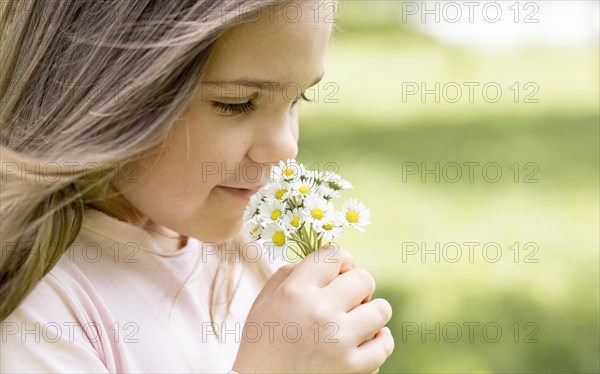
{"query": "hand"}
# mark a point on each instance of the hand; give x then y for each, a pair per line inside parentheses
(317, 316)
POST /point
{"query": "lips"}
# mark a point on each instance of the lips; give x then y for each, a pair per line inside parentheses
(243, 193)
(253, 188)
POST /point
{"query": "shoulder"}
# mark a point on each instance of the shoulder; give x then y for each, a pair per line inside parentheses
(65, 292)
(55, 328)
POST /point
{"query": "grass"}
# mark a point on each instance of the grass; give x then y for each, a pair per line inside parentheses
(547, 310)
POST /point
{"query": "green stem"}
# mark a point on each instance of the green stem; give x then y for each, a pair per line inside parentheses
(313, 239)
(309, 239)
(297, 254)
(305, 239)
(300, 244)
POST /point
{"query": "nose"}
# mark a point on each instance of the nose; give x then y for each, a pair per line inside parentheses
(276, 138)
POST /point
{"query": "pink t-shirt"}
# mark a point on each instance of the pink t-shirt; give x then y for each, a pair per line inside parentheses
(111, 304)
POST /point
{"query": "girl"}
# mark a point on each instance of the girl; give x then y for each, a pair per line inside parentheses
(133, 134)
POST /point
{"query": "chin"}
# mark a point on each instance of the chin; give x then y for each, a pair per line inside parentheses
(220, 233)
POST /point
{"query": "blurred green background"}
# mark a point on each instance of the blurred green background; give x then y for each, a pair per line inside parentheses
(538, 313)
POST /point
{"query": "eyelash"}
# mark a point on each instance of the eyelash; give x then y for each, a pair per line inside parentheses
(232, 109)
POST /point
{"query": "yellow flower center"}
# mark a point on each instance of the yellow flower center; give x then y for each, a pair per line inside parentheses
(304, 190)
(295, 221)
(328, 226)
(287, 172)
(317, 213)
(280, 194)
(278, 238)
(352, 217)
(275, 214)
(255, 229)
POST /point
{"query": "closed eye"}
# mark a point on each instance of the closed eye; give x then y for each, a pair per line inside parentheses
(241, 108)
(233, 109)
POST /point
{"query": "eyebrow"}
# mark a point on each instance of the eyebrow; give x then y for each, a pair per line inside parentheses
(260, 84)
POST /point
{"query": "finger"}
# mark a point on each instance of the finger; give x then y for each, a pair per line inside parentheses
(369, 318)
(374, 352)
(278, 277)
(322, 266)
(351, 288)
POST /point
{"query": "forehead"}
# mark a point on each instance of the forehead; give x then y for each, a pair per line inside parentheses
(284, 44)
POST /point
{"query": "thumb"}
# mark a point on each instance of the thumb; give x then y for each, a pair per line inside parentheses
(277, 278)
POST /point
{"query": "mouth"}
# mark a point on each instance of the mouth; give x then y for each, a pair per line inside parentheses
(242, 193)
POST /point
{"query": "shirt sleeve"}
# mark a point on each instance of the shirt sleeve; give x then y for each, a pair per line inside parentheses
(45, 335)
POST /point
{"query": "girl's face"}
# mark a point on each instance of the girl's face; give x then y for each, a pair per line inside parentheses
(236, 126)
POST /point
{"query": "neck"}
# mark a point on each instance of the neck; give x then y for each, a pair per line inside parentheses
(120, 208)
(165, 237)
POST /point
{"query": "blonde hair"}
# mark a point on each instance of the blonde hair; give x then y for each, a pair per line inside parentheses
(101, 83)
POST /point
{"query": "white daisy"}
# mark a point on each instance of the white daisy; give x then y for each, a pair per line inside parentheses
(304, 188)
(314, 174)
(256, 228)
(293, 220)
(278, 191)
(356, 214)
(329, 193)
(273, 252)
(271, 211)
(335, 181)
(300, 198)
(330, 227)
(252, 207)
(287, 171)
(275, 240)
(316, 209)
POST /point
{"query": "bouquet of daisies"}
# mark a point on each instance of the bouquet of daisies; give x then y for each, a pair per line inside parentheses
(294, 211)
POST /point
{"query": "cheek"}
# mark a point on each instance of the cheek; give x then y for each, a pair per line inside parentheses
(183, 180)
(166, 186)
(218, 152)
(175, 187)
(167, 180)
